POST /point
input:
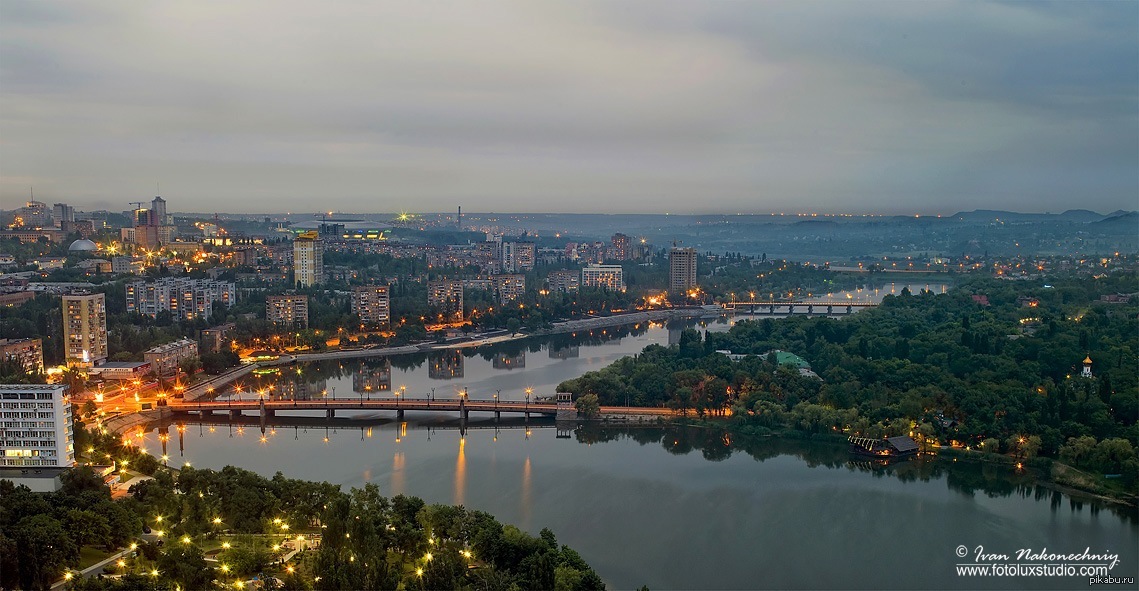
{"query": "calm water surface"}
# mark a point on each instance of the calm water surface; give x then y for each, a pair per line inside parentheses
(668, 508)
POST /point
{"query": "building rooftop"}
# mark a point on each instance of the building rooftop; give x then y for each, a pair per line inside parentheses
(83, 245)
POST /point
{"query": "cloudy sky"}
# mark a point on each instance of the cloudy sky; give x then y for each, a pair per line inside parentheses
(618, 106)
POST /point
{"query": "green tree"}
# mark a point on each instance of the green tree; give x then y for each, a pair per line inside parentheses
(588, 406)
(44, 549)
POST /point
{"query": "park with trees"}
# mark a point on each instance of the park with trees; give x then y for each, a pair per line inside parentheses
(999, 373)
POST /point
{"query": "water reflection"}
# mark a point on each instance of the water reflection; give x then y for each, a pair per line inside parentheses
(372, 375)
(445, 365)
(461, 474)
(967, 478)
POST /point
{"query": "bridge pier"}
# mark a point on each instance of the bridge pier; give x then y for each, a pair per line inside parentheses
(233, 414)
(810, 309)
(331, 413)
(399, 414)
(497, 415)
(829, 309)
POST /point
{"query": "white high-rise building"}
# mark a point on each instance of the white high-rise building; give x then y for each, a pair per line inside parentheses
(35, 426)
(308, 259)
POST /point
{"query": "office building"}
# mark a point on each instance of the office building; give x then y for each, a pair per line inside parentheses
(611, 277)
(372, 304)
(85, 328)
(185, 299)
(36, 426)
(681, 269)
(287, 310)
(61, 212)
(29, 353)
(308, 259)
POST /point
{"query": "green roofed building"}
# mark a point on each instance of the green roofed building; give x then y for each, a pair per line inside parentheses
(785, 358)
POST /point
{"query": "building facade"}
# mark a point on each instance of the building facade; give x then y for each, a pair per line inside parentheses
(621, 247)
(164, 359)
(35, 426)
(447, 295)
(372, 303)
(611, 277)
(185, 299)
(517, 256)
(681, 269)
(564, 281)
(308, 259)
(287, 310)
(85, 328)
(29, 353)
(509, 287)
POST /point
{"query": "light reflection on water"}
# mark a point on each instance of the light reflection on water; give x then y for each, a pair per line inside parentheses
(667, 509)
(632, 501)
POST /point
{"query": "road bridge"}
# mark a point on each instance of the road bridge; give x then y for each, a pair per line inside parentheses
(797, 307)
(329, 406)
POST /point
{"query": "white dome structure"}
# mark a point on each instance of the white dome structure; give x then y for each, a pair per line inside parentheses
(83, 245)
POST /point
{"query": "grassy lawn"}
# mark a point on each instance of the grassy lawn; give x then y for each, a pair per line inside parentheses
(89, 555)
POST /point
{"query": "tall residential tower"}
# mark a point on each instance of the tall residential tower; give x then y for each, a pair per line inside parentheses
(85, 328)
(681, 269)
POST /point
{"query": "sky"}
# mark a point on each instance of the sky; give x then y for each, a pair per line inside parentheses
(621, 106)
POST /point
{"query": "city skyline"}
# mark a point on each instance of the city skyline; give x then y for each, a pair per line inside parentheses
(586, 107)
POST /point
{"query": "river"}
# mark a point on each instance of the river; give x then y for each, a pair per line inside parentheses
(671, 508)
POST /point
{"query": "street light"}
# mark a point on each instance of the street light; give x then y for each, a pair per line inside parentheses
(528, 392)
(496, 393)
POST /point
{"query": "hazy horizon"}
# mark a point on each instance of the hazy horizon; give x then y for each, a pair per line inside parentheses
(896, 108)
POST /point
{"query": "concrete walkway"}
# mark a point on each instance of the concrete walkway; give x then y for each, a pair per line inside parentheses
(93, 570)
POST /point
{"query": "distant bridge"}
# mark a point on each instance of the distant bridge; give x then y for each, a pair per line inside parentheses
(837, 307)
(329, 406)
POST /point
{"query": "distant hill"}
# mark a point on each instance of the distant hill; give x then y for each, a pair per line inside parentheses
(1083, 216)
(1123, 224)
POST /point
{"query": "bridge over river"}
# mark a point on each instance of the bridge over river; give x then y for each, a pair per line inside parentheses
(802, 307)
(463, 406)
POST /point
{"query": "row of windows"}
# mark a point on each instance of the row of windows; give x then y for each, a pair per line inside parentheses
(27, 462)
(11, 434)
(26, 395)
(27, 415)
(48, 443)
(27, 424)
(28, 453)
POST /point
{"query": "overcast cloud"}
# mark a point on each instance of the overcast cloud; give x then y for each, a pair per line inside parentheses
(623, 106)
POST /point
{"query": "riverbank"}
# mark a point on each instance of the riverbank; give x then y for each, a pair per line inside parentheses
(1048, 472)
